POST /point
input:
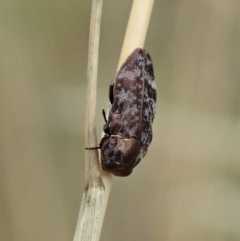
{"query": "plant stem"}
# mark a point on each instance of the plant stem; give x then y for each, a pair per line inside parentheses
(95, 196)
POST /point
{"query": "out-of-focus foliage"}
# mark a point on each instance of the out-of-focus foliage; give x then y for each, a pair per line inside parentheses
(187, 187)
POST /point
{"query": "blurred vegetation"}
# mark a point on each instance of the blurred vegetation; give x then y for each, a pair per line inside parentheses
(188, 185)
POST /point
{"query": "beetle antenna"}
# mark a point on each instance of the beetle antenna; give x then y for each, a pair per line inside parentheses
(92, 148)
(104, 116)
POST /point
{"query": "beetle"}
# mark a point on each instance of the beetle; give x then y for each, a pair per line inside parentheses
(128, 129)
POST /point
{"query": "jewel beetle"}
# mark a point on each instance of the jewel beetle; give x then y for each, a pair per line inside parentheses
(128, 128)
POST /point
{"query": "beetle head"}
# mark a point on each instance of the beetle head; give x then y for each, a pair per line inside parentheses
(119, 155)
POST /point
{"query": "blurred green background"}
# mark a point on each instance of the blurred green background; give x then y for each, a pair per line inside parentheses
(187, 187)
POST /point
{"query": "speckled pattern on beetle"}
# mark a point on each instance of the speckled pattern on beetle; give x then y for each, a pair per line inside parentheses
(128, 130)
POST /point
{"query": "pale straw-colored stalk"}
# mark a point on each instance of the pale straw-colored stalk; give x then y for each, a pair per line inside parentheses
(95, 196)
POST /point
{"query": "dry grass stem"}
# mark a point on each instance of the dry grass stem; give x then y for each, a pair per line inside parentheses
(95, 197)
(137, 27)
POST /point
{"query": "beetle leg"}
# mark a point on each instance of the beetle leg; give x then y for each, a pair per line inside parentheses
(111, 93)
